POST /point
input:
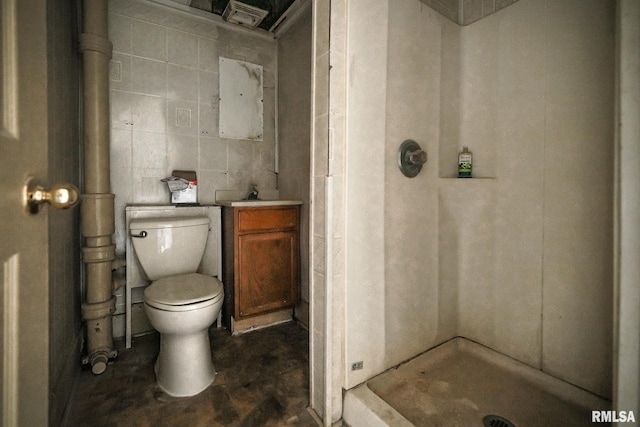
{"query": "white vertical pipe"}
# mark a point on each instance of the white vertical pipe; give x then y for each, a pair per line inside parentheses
(97, 209)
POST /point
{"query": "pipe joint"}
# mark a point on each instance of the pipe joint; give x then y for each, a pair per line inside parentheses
(99, 254)
(95, 43)
(99, 360)
(98, 310)
(118, 263)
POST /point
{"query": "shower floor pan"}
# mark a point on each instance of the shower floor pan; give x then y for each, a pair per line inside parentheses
(461, 382)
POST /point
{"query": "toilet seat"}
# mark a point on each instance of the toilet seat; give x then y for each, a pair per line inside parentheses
(183, 292)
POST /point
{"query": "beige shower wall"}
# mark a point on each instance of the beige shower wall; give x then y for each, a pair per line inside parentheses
(577, 317)
(401, 84)
(535, 262)
(164, 63)
(519, 258)
(420, 310)
(364, 234)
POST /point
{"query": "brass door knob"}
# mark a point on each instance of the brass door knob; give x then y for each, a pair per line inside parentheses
(60, 196)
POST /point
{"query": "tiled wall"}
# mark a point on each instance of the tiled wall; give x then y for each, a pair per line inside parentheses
(164, 106)
(465, 12)
(327, 208)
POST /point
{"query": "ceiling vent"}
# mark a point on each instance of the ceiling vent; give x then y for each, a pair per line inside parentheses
(240, 13)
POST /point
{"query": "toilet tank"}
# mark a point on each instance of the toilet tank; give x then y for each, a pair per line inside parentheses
(169, 246)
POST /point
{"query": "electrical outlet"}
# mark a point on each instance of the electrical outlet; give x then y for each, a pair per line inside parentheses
(357, 366)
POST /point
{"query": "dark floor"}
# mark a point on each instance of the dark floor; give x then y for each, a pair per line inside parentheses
(262, 380)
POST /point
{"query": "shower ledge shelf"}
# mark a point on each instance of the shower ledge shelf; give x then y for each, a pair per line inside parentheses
(475, 178)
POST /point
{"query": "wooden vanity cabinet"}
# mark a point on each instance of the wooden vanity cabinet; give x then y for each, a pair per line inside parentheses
(261, 258)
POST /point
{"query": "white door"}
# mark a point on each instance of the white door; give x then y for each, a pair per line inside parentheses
(24, 238)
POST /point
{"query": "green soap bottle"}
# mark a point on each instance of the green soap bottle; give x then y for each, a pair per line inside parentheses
(465, 158)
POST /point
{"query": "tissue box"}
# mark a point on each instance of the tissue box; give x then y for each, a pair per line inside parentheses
(188, 194)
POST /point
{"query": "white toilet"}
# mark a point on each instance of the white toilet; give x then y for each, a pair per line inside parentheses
(180, 303)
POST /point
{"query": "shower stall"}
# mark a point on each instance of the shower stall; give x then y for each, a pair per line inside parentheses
(520, 258)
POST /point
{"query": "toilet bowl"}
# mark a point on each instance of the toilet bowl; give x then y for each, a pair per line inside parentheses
(179, 303)
(181, 308)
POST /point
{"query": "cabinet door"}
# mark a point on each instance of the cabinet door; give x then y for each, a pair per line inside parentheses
(267, 272)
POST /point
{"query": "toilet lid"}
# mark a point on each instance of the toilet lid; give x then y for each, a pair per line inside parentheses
(183, 289)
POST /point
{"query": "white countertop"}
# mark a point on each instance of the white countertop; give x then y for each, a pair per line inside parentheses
(256, 203)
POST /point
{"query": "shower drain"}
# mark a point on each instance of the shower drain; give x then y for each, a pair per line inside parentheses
(496, 421)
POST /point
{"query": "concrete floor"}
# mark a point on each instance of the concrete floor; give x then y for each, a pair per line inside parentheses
(459, 382)
(262, 380)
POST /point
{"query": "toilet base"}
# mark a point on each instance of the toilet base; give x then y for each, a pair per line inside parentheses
(184, 367)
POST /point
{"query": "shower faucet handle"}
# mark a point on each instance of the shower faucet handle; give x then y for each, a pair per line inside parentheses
(411, 158)
(418, 157)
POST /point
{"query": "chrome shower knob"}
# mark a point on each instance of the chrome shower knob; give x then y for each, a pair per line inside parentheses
(411, 158)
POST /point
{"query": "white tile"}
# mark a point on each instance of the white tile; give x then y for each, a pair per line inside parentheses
(266, 157)
(264, 179)
(269, 62)
(213, 154)
(182, 152)
(239, 180)
(182, 48)
(209, 87)
(147, 187)
(182, 83)
(208, 182)
(115, 71)
(240, 155)
(269, 115)
(148, 40)
(120, 107)
(148, 77)
(243, 53)
(182, 117)
(120, 33)
(120, 148)
(321, 146)
(120, 72)
(149, 150)
(319, 217)
(148, 113)
(121, 180)
(208, 53)
(208, 121)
